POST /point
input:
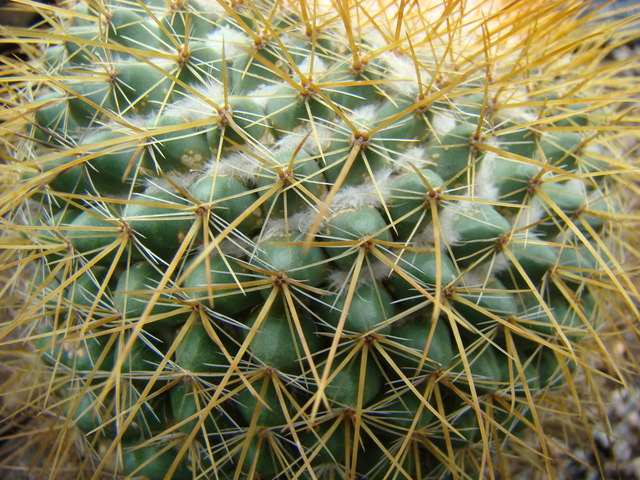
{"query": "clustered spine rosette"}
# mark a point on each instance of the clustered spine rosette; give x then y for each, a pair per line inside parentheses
(267, 241)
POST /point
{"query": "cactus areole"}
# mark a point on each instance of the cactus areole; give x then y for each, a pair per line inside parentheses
(289, 241)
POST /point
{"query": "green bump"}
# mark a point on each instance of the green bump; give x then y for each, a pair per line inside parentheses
(260, 455)
(198, 352)
(218, 282)
(248, 72)
(552, 196)
(576, 265)
(522, 141)
(402, 412)
(409, 200)
(160, 219)
(287, 255)
(289, 108)
(356, 88)
(181, 149)
(69, 178)
(277, 343)
(290, 170)
(534, 258)
(249, 118)
(566, 316)
(84, 289)
(151, 461)
(410, 340)
(401, 132)
(355, 226)
(560, 148)
(271, 412)
(486, 373)
(453, 154)
(89, 101)
(52, 120)
(492, 299)
(84, 355)
(513, 179)
(114, 168)
(88, 414)
(187, 400)
(371, 308)
(89, 233)
(184, 22)
(228, 199)
(204, 64)
(129, 29)
(141, 86)
(466, 424)
(55, 56)
(81, 46)
(371, 151)
(597, 213)
(478, 229)
(421, 268)
(135, 289)
(326, 449)
(343, 390)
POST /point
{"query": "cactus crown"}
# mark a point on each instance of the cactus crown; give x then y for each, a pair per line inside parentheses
(257, 240)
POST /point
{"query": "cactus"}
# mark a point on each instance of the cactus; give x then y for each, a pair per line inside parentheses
(262, 240)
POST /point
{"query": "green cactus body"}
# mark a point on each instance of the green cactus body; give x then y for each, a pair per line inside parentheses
(293, 238)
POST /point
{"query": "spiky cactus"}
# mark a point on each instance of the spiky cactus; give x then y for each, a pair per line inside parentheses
(259, 240)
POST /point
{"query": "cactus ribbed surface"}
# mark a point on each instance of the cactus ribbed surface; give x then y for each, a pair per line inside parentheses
(262, 240)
